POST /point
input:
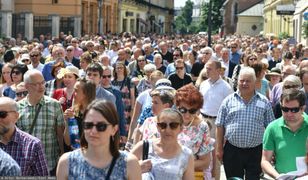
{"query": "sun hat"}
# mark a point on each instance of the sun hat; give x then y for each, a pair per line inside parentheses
(66, 70)
(274, 72)
(164, 84)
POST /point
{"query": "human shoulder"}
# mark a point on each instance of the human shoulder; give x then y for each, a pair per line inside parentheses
(26, 137)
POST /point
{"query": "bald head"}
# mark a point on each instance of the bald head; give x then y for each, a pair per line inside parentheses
(9, 116)
(8, 103)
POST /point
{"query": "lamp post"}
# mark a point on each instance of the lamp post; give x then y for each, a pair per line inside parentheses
(209, 23)
(100, 2)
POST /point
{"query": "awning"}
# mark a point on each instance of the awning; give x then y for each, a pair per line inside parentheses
(286, 9)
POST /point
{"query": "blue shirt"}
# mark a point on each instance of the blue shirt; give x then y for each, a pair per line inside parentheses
(8, 166)
(102, 93)
(48, 67)
(244, 123)
(235, 58)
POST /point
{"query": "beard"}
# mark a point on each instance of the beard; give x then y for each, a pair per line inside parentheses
(3, 131)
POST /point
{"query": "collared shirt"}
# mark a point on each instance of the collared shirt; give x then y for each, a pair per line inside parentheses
(48, 67)
(235, 58)
(8, 166)
(28, 152)
(102, 93)
(49, 118)
(244, 123)
(213, 95)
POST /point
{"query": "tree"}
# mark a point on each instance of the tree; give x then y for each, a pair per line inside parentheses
(183, 21)
(216, 16)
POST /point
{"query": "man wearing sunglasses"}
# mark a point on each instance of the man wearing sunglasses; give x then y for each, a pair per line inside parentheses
(24, 148)
(35, 56)
(286, 137)
(42, 117)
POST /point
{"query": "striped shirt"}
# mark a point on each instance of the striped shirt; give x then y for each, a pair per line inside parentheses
(49, 117)
(244, 123)
(28, 152)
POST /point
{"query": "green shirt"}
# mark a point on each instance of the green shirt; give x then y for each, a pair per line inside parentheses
(49, 117)
(285, 144)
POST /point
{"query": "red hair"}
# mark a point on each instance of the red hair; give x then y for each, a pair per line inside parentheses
(189, 95)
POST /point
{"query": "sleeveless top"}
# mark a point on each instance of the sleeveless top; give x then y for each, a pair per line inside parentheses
(79, 168)
(169, 169)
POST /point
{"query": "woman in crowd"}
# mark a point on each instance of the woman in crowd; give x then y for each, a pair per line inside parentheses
(56, 83)
(273, 77)
(85, 60)
(65, 95)
(167, 159)
(6, 79)
(139, 73)
(99, 156)
(85, 92)
(17, 76)
(158, 61)
(195, 134)
(123, 82)
(261, 83)
(145, 82)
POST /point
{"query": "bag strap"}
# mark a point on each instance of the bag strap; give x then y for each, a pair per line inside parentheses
(145, 150)
(37, 111)
(114, 159)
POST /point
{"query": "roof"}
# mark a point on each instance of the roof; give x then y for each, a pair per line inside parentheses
(256, 10)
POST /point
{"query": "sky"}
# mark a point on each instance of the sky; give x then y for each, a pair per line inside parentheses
(179, 3)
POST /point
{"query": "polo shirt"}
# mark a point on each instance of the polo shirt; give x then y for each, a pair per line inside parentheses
(286, 144)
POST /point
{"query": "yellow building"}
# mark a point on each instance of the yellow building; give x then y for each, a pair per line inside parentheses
(277, 24)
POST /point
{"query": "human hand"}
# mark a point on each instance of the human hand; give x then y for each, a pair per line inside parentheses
(146, 165)
(68, 113)
(219, 154)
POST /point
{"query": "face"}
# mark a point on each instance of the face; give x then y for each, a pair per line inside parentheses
(105, 61)
(69, 80)
(169, 127)
(157, 105)
(275, 79)
(16, 75)
(106, 79)
(90, 47)
(233, 47)
(8, 117)
(83, 64)
(305, 82)
(246, 84)
(225, 55)
(157, 61)
(252, 60)
(37, 85)
(70, 51)
(211, 71)
(94, 76)
(79, 94)
(92, 135)
(179, 67)
(121, 55)
(119, 69)
(176, 55)
(141, 63)
(21, 92)
(26, 61)
(188, 112)
(6, 73)
(289, 116)
(206, 55)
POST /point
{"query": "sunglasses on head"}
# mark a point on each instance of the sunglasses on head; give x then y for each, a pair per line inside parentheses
(3, 114)
(22, 94)
(293, 110)
(106, 76)
(172, 125)
(184, 110)
(100, 126)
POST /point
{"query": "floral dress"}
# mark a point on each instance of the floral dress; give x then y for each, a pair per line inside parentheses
(149, 129)
(125, 87)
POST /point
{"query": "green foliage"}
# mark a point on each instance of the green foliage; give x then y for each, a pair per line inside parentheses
(183, 21)
(216, 16)
(305, 29)
(283, 35)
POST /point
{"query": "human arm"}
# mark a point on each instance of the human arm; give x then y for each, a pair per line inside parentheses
(220, 131)
(138, 134)
(266, 164)
(189, 172)
(133, 122)
(62, 168)
(133, 168)
(202, 162)
(60, 132)
(145, 165)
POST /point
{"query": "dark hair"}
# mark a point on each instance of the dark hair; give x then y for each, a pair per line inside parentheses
(288, 55)
(178, 49)
(293, 94)
(190, 95)
(20, 67)
(115, 74)
(108, 111)
(258, 67)
(89, 90)
(171, 112)
(55, 66)
(95, 67)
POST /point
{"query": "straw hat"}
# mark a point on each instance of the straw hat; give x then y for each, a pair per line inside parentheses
(274, 72)
(66, 70)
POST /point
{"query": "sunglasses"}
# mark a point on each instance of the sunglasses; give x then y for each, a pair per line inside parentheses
(177, 55)
(141, 60)
(16, 72)
(25, 60)
(34, 55)
(100, 126)
(184, 110)
(290, 86)
(179, 68)
(22, 94)
(252, 59)
(3, 114)
(293, 110)
(233, 47)
(106, 76)
(172, 125)
(69, 50)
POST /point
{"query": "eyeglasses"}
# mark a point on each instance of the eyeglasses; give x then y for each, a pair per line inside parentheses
(16, 72)
(140, 60)
(233, 47)
(25, 60)
(69, 50)
(184, 110)
(4, 114)
(22, 94)
(179, 68)
(290, 86)
(74, 42)
(38, 83)
(119, 67)
(252, 59)
(172, 125)
(106, 76)
(34, 55)
(177, 55)
(293, 110)
(100, 126)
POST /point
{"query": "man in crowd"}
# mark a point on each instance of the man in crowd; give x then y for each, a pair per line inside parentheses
(241, 121)
(42, 117)
(285, 138)
(198, 66)
(25, 149)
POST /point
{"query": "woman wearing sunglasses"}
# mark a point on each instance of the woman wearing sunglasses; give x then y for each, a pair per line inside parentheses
(17, 74)
(195, 134)
(167, 159)
(99, 156)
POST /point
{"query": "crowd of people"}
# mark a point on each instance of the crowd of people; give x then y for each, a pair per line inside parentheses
(162, 107)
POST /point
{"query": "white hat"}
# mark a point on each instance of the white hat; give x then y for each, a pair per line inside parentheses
(24, 56)
(66, 70)
(164, 84)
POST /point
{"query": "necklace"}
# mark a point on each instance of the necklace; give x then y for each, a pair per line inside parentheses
(190, 123)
